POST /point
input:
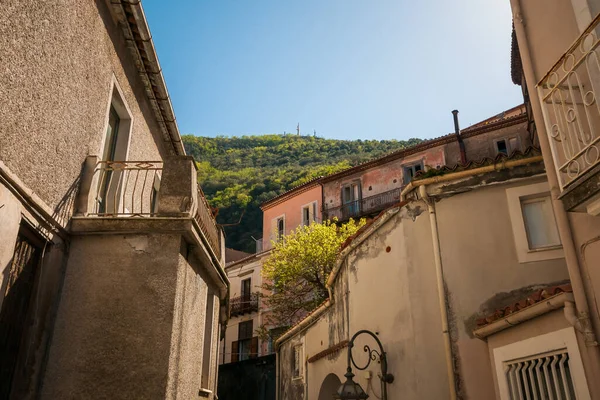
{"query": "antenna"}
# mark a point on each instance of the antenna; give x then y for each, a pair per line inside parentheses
(298, 129)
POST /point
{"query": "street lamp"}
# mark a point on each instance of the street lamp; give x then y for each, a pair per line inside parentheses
(351, 390)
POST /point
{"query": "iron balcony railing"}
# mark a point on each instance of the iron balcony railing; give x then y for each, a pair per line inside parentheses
(207, 223)
(364, 206)
(131, 188)
(568, 94)
(244, 304)
(126, 188)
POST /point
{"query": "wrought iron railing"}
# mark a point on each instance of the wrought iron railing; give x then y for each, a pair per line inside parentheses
(207, 223)
(244, 304)
(364, 206)
(126, 188)
(568, 94)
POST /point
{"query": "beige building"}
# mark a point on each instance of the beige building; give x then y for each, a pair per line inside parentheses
(429, 277)
(112, 282)
(241, 340)
(555, 60)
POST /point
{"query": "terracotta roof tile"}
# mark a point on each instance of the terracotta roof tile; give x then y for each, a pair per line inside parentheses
(530, 300)
(531, 151)
(516, 65)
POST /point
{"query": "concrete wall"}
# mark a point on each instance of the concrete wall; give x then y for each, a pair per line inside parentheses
(128, 292)
(547, 28)
(188, 332)
(292, 210)
(482, 273)
(390, 293)
(56, 71)
(151, 297)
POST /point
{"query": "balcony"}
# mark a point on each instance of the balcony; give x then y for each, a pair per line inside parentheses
(244, 304)
(363, 207)
(568, 95)
(137, 190)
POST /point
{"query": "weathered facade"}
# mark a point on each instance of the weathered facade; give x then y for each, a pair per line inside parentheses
(112, 282)
(422, 276)
(370, 187)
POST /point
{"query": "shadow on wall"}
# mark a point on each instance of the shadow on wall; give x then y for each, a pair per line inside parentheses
(64, 208)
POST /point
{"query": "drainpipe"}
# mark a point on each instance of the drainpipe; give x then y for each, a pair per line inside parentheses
(461, 144)
(439, 274)
(562, 219)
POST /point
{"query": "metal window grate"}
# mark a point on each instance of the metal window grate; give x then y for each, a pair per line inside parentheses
(541, 377)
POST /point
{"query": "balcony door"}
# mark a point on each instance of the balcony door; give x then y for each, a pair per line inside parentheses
(110, 148)
(115, 147)
(351, 195)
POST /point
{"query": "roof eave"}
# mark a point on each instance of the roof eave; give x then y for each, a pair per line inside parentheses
(134, 25)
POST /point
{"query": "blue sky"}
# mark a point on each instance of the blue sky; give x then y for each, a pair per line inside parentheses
(349, 69)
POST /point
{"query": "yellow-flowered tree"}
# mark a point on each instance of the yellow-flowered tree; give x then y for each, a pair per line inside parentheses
(295, 275)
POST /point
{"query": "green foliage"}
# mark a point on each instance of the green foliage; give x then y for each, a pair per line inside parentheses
(237, 174)
(296, 273)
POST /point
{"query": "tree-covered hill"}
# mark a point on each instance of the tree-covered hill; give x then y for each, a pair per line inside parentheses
(237, 174)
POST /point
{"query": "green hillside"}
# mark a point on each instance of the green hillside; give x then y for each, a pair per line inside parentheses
(238, 173)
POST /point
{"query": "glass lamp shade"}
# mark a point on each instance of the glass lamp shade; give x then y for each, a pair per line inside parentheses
(350, 390)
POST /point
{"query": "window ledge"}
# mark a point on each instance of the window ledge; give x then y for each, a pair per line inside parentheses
(542, 249)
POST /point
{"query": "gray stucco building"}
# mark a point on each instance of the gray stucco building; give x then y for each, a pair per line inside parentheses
(111, 282)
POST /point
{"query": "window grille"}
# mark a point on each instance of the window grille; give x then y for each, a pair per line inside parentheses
(541, 377)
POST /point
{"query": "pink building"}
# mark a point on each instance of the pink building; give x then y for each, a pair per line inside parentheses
(284, 213)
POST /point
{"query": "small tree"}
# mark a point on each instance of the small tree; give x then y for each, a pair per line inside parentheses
(296, 273)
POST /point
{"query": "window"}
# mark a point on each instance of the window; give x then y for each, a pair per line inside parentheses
(533, 224)
(540, 224)
(309, 213)
(246, 341)
(280, 228)
(114, 147)
(501, 147)
(410, 171)
(543, 367)
(506, 145)
(277, 228)
(297, 361)
(110, 146)
(246, 288)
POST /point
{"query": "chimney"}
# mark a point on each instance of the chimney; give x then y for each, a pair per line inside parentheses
(461, 144)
